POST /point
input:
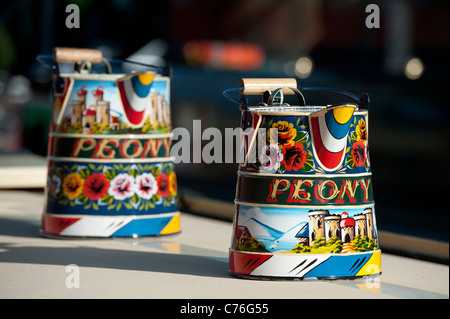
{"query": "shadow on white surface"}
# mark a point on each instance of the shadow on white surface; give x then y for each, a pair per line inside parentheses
(102, 258)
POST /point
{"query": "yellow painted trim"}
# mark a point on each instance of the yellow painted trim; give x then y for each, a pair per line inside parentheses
(372, 266)
(146, 78)
(173, 226)
(343, 114)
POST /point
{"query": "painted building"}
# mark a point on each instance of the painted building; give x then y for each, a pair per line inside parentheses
(323, 225)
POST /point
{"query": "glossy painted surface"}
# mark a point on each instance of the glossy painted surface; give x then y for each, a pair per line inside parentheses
(112, 104)
(304, 204)
(110, 173)
(124, 146)
(111, 188)
(297, 151)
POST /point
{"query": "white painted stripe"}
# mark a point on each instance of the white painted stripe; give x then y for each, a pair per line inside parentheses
(329, 206)
(112, 160)
(115, 216)
(102, 226)
(254, 174)
(328, 140)
(138, 104)
(144, 136)
(98, 227)
(288, 265)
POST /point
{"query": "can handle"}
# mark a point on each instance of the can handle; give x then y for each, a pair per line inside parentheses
(281, 91)
(260, 86)
(363, 101)
(78, 55)
(84, 58)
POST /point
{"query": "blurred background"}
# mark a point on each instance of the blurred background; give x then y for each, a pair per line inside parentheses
(403, 66)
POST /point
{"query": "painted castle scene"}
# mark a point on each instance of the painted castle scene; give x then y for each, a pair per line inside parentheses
(103, 107)
(267, 229)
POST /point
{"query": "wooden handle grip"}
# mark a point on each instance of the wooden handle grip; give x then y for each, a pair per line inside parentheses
(259, 86)
(78, 55)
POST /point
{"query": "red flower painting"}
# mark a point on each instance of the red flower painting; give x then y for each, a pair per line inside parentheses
(294, 156)
(163, 184)
(95, 186)
(358, 153)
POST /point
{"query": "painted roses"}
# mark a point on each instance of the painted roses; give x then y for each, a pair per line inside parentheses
(72, 185)
(146, 186)
(358, 152)
(295, 156)
(290, 151)
(113, 186)
(271, 157)
(285, 131)
(95, 186)
(121, 186)
(287, 146)
(163, 185)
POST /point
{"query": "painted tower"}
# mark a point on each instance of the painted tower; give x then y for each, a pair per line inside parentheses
(98, 94)
(347, 225)
(332, 228)
(360, 225)
(81, 93)
(89, 117)
(77, 112)
(316, 223)
(103, 112)
(369, 223)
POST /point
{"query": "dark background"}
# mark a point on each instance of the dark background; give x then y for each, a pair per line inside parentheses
(408, 126)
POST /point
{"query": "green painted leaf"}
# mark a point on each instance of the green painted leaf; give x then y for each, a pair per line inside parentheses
(128, 205)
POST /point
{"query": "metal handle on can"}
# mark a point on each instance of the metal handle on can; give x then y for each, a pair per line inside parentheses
(281, 91)
(84, 58)
(363, 101)
(258, 86)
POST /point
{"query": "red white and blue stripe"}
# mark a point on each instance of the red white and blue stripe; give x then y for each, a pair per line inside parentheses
(134, 93)
(329, 130)
(304, 266)
(110, 226)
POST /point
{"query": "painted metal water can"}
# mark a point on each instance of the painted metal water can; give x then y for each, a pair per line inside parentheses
(110, 173)
(304, 204)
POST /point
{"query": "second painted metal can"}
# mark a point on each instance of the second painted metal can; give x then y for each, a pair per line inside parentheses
(110, 173)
